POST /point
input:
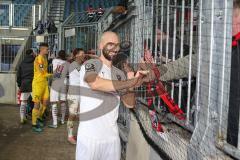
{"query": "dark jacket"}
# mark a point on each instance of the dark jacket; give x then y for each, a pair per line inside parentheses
(234, 96)
(25, 74)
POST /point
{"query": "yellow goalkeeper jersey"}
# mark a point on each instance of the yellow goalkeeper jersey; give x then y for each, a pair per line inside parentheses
(40, 69)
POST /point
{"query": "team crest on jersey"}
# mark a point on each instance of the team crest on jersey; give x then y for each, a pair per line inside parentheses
(90, 67)
(40, 65)
(119, 77)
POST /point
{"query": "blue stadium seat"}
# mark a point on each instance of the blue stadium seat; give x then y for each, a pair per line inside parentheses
(107, 3)
(76, 6)
(81, 7)
(84, 4)
(67, 9)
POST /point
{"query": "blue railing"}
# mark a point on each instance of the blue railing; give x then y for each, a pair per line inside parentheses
(4, 14)
(20, 13)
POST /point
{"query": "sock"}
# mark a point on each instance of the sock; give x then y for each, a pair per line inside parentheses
(54, 113)
(63, 111)
(70, 128)
(23, 110)
(35, 115)
(42, 110)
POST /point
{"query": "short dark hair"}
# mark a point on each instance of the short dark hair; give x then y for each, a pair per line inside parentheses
(76, 51)
(236, 4)
(119, 60)
(44, 44)
(29, 52)
(62, 54)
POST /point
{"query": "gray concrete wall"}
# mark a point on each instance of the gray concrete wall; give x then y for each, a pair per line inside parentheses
(8, 88)
(15, 33)
(137, 147)
(154, 155)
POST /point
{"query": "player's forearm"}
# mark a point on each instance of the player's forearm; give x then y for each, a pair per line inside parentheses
(111, 85)
(129, 100)
(46, 74)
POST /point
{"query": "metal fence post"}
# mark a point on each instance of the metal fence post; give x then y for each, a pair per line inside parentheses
(212, 54)
(11, 15)
(33, 15)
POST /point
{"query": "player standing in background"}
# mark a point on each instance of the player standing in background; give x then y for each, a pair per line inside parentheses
(58, 88)
(24, 81)
(40, 89)
(73, 91)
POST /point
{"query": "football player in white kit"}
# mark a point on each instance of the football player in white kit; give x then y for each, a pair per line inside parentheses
(101, 83)
(58, 92)
(73, 91)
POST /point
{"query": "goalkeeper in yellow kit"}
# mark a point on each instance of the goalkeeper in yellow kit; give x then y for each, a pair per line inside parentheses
(40, 91)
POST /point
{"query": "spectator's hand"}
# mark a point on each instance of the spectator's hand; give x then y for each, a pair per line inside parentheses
(140, 75)
(142, 64)
(148, 57)
(146, 62)
(149, 77)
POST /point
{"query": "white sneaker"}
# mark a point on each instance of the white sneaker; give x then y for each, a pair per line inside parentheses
(62, 122)
(72, 140)
(52, 126)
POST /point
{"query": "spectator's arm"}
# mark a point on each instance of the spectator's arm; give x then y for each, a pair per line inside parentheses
(179, 69)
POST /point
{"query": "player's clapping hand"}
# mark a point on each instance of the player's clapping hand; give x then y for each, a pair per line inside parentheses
(130, 75)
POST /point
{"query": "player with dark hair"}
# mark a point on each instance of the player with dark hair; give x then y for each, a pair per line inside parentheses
(73, 91)
(40, 89)
(58, 88)
(24, 81)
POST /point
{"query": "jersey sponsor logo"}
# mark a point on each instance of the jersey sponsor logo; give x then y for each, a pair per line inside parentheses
(90, 67)
(119, 77)
(59, 68)
(58, 71)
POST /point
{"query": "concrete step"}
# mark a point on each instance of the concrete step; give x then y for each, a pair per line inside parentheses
(60, 9)
(56, 12)
(54, 17)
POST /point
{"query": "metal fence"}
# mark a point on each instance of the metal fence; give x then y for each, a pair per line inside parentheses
(81, 31)
(84, 37)
(19, 15)
(191, 44)
(190, 41)
(13, 49)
